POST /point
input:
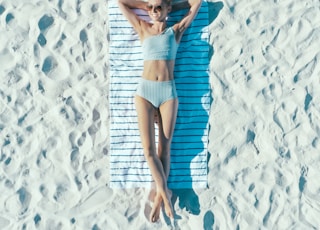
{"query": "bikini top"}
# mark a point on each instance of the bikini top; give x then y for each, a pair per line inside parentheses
(161, 46)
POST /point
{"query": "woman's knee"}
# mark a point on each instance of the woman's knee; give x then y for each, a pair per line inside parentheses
(164, 150)
(149, 151)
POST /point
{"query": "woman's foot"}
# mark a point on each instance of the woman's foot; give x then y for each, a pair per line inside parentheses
(168, 206)
(155, 211)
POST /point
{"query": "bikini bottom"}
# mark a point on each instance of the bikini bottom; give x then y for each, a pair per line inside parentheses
(156, 92)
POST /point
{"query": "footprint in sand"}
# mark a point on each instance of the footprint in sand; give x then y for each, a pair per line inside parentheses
(208, 221)
(307, 101)
(49, 64)
(76, 141)
(42, 40)
(56, 68)
(306, 71)
(18, 204)
(232, 205)
(60, 42)
(75, 158)
(2, 9)
(302, 179)
(315, 143)
(44, 24)
(9, 18)
(72, 112)
(83, 36)
(37, 220)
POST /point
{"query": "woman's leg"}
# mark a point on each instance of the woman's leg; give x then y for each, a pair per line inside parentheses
(167, 119)
(145, 112)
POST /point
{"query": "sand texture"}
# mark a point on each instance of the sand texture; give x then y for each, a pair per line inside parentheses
(264, 147)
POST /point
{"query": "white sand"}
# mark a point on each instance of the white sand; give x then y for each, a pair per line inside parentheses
(265, 120)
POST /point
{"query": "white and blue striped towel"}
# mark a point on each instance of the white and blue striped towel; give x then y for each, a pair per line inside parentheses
(128, 167)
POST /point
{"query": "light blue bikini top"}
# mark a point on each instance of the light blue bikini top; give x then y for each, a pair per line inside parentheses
(161, 46)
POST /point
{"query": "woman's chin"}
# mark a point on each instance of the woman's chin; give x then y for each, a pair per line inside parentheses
(154, 18)
(157, 19)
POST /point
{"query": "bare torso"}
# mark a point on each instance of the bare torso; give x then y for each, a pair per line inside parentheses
(157, 70)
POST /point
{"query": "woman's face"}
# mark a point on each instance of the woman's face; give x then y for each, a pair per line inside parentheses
(158, 10)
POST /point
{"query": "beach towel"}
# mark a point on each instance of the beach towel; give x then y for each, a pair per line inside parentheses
(128, 167)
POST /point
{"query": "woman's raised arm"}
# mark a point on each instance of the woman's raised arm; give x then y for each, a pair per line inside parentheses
(187, 20)
(180, 5)
(126, 7)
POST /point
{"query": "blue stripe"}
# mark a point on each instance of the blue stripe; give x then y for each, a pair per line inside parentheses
(148, 175)
(185, 182)
(172, 170)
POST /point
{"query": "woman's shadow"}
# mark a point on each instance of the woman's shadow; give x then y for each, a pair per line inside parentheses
(187, 197)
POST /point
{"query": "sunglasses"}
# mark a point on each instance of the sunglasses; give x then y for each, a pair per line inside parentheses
(154, 8)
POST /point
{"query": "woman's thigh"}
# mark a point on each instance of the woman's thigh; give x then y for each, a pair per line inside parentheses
(168, 115)
(145, 113)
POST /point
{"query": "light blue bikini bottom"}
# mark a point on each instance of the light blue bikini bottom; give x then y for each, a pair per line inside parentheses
(156, 92)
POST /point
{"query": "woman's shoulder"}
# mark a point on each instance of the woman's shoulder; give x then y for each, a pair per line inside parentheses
(146, 30)
(177, 32)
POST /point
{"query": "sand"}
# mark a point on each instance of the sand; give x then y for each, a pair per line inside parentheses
(263, 161)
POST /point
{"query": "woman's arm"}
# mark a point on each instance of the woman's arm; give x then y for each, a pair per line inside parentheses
(134, 4)
(126, 7)
(187, 20)
(179, 5)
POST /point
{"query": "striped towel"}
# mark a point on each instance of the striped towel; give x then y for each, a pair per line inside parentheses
(128, 167)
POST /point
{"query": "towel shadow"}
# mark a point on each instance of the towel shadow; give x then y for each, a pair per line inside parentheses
(188, 200)
(187, 197)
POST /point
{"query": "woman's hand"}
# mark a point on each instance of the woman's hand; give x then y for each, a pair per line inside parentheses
(134, 4)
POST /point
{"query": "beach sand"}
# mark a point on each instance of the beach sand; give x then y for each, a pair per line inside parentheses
(263, 160)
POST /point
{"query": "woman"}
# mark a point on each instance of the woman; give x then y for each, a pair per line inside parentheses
(156, 90)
